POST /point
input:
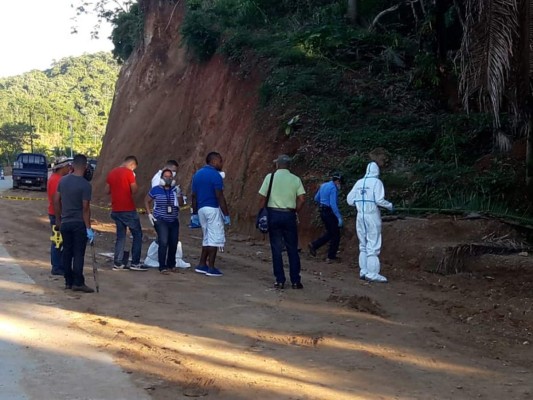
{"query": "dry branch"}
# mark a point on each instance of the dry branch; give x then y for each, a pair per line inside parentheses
(454, 259)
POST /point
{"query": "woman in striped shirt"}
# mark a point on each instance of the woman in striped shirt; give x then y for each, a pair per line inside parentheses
(166, 199)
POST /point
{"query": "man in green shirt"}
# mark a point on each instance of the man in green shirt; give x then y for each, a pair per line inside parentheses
(285, 201)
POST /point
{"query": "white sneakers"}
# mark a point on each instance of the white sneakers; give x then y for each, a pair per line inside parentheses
(182, 264)
(375, 278)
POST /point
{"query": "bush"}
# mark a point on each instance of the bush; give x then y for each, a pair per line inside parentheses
(199, 34)
(127, 32)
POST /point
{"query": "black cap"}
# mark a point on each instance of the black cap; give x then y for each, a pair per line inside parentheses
(337, 176)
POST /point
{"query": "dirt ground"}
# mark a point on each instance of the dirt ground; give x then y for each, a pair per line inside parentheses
(421, 336)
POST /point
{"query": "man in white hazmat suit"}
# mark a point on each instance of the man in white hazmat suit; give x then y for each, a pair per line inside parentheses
(367, 195)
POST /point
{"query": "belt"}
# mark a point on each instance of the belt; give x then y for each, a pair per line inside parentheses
(282, 209)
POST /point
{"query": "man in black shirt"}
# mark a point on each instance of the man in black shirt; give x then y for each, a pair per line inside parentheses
(73, 218)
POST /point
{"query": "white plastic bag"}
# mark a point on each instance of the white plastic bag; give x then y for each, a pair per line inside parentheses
(152, 260)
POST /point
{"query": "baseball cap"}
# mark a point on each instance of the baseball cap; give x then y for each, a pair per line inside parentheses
(337, 176)
(283, 159)
(61, 162)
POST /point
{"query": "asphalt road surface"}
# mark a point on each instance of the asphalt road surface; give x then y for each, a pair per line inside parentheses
(42, 356)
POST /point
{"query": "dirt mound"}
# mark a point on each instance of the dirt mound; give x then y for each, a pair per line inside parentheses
(360, 303)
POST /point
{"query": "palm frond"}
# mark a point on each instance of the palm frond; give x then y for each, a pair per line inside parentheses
(528, 11)
(491, 29)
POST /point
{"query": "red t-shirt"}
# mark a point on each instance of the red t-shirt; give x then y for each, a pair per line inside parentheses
(119, 181)
(51, 189)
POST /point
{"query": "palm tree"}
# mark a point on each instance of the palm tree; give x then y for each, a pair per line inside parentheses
(352, 11)
(496, 62)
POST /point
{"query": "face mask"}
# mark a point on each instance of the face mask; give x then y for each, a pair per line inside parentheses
(167, 182)
(222, 174)
(173, 174)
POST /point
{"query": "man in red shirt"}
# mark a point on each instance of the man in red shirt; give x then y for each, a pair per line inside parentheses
(60, 169)
(121, 184)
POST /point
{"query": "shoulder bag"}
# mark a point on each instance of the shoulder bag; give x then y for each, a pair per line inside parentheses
(261, 221)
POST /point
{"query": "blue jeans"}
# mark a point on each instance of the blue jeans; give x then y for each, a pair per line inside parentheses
(124, 220)
(74, 242)
(55, 253)
(283, 230)
(167, 239)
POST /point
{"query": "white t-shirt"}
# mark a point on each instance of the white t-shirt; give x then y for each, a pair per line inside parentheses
(156, 178)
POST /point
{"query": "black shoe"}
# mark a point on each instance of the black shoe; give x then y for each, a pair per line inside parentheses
(68, 287)
(312, 250)
(279, 285)
(82, 288)
(297, 285)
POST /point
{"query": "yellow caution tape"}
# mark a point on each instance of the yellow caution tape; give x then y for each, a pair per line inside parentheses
(139, 210)
(22, 198)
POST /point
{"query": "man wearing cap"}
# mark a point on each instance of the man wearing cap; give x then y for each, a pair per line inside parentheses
(285, 201)
(326, 197)
(60, 169)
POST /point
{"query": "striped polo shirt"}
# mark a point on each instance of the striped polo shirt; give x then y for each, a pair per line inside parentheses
(163, 199)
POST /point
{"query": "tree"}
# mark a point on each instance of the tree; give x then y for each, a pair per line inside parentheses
(352, 11)
(13, 137)
(80, 87)
(105, 10)
(496, 65)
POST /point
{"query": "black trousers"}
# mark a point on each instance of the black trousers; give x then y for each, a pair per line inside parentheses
(74, 241)
(332, 235)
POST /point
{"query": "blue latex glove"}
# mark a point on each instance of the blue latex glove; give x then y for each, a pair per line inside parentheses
(227, 220)
(341, 222)
(90, 235)
(195, 221)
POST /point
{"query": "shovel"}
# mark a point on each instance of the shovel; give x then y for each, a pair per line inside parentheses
(95, 269)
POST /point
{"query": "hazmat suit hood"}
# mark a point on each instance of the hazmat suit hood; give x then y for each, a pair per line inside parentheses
(372, 170)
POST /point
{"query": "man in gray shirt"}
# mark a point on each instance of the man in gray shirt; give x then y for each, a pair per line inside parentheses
(73, 218)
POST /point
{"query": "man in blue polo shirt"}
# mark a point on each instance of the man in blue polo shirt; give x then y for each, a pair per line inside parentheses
(210, 211)
(326, 197)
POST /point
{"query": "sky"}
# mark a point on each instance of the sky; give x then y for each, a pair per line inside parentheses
(34, 33)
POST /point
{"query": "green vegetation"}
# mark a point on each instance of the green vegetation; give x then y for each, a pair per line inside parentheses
(387, 81)
(384, 73)
(126, 17)
(39, 107)
(127, 31)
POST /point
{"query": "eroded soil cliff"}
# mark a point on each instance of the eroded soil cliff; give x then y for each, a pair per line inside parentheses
(169, 106)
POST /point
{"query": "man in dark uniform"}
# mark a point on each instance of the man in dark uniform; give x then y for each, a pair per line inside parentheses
(326, 197)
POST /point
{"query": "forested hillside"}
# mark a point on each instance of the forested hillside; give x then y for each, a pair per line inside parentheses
(344, 77)
(40, 109)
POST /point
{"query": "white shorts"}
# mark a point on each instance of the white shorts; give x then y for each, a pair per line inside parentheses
(212, 222)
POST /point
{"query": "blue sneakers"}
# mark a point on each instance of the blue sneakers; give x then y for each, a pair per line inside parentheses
(213, 272)
(204, 269)
(201, 269)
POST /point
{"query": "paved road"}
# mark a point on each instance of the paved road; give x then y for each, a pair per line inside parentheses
(6, 183)
(42, 357)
